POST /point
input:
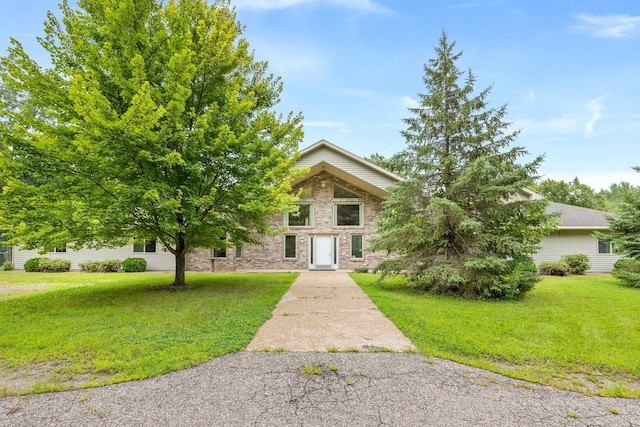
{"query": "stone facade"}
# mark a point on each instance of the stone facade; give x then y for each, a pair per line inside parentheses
(323, 225)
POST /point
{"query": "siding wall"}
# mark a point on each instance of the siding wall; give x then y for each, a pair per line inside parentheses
(569, 242)
(161, 260)
(270, 256)
(338, 160)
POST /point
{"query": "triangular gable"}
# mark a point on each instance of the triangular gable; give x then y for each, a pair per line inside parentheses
(324, 156)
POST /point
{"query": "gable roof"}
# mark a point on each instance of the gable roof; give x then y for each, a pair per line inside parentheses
(325, 156)
(579, 218)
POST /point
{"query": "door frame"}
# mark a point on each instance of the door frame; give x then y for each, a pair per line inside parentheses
(334, 246)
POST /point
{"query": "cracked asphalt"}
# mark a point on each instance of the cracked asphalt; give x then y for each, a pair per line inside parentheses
(355, 389)
(300, 383)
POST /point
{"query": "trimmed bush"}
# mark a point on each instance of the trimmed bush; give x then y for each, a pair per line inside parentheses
(578, 263)
(7, 265)
(32, 265)
(104, 266)
(556, 268)
(628, 271)
(134, 265)
(361, 270)
(54, 265)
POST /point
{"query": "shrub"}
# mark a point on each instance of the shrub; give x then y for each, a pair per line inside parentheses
(32, 265)
(628, 271)
(134, 265)
(578, 263)
(557, 268)
(54, 265)
(7, 265)
(361, 269)
(104, 266)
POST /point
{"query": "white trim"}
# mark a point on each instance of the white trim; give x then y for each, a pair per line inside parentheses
(335, 213)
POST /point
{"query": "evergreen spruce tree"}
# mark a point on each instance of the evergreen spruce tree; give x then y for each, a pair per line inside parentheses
(625, 226)
(456, 223)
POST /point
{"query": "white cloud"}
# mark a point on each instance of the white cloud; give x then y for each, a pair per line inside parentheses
(583, 120)
(609, 26)
(409, 102)
(594, 107)
(360, 5)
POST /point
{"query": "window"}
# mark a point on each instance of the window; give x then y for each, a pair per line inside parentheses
(148, 246)
(221, 252)
(604, 248)
(356, 246)
(289, 246)
(304, 217)
(238, 251)
(59, 249)
(343, 193)
(348, 214)
(307, 192)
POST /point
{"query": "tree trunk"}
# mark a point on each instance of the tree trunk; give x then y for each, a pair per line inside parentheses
(181, 262)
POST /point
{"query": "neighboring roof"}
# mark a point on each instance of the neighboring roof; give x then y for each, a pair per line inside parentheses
(324, 156)
(579, 218)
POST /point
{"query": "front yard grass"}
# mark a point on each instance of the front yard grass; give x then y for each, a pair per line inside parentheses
(65, 330)
(580, 333)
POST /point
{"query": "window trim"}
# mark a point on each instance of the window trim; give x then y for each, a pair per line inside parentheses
(608, 248)
(361, 214)
(145, 245)
(295, 246)
(286, 217)
(224, 250)
(358, 196)
(361, 236)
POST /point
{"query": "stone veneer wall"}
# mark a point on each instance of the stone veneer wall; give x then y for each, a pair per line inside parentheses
(270, 256)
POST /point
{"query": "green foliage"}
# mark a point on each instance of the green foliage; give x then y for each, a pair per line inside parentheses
(134, 265)
(616, 193)
(625, 227)
(32, 265)
(628, 271)
(103, 266)
(54, 265)
(454, 221)
(554, 268)
(7, 266)
(47, 265)
(542, 337)
(578, 263)
(158, 123)
(361, 269)
(396, 163)
(571, 193)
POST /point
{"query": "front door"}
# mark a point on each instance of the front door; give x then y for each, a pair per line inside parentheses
(323, 253)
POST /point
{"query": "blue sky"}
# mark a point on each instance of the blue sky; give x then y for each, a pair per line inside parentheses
(569, 70)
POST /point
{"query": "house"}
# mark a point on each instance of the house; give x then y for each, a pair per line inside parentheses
(340, 198)
(574, 236)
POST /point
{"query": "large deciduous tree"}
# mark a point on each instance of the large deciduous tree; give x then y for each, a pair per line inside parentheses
(456, 222)
(158, 124)
(571, 193)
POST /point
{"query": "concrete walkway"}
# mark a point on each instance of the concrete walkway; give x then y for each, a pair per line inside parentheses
(327, 310)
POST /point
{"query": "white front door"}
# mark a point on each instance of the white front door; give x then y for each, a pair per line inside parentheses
(323, 253)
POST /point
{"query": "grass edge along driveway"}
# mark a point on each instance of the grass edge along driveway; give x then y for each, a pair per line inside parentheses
(577, 333)
(81, 329)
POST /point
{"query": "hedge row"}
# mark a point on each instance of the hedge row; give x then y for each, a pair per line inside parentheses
(56, 265)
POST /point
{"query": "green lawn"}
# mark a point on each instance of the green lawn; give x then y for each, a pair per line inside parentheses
(580, 333)
(80, 329)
